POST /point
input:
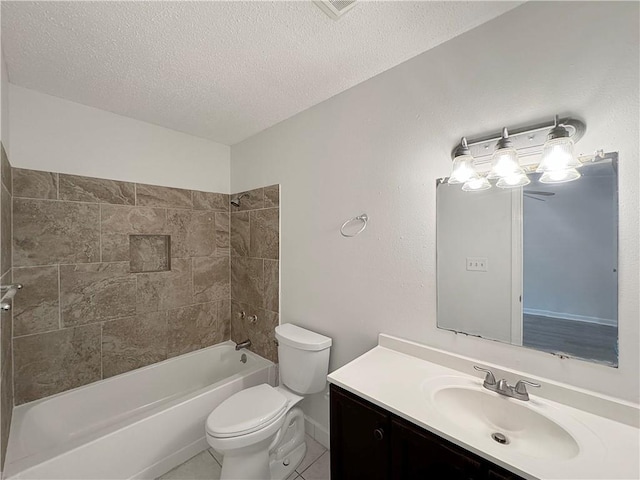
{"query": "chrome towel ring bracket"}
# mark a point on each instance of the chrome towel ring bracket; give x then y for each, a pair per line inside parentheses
(360, 218)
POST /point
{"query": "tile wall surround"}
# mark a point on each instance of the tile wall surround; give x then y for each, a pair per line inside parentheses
(6, 324)
(255, 253)
(94, 303)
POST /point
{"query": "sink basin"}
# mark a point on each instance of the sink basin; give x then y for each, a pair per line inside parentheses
(493, 420)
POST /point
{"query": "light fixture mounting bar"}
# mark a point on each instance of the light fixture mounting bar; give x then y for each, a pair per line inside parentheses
(528, 140)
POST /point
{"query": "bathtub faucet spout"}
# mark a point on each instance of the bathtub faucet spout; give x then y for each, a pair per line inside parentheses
(245, 344)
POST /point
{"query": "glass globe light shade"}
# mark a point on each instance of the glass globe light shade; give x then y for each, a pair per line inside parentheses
(476, 184)
(560, 176)
(505, 163)
(557, 154)
(463, 170)
(513, 181)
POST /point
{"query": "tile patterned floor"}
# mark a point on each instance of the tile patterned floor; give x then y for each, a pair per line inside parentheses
(207, 465)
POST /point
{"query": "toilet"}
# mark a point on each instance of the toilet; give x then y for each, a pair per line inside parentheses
(260, 430)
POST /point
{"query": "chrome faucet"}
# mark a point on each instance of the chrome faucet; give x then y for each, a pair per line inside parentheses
(519, 391)
(245, 344)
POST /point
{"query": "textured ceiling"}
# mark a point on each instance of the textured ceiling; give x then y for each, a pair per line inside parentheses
(218, 70)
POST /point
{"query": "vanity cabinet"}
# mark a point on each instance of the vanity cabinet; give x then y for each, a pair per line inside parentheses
(368, 442)
(360, 434)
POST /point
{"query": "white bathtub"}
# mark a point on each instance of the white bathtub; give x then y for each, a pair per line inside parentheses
(139, 424)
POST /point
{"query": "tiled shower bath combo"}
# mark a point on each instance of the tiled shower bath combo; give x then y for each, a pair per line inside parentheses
(118, 276)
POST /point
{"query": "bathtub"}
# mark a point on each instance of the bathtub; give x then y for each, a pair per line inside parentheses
(139, 424)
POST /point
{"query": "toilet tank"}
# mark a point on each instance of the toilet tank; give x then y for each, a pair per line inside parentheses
(303, 357)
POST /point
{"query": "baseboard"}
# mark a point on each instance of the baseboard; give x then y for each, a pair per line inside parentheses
(316, 431)
(570, 316)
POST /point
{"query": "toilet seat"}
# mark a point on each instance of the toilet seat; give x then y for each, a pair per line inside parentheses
(247, 411)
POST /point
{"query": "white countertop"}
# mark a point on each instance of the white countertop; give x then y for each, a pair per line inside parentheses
(394, 381)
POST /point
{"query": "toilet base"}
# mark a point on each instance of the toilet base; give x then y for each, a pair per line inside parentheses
(281, 469)
(249, 466)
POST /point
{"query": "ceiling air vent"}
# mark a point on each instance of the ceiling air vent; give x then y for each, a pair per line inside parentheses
(335, 8)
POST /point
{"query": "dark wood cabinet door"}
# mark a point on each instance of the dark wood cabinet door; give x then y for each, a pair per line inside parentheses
(420, 455)
(360, 438)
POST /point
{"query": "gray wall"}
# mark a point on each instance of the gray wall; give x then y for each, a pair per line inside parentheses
(571, 250)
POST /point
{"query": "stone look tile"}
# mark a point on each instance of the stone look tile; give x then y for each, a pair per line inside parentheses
(149, 253)
(166, 290)
(271, 285)
(193, 327)
(5, 230)
(240, 234)
(133, 342)
(247, 281)
(6, 329)
(96, 292)
(252, 200)
(261, 333)
(240, 327)
(264, 338)
(211, 279)
(224, 318)
(35, 184)
(5, 170)
(272, 196)
(6, 374)
(118, 222)
(201, 467)
(210, 201)
(154, 196)
(87, 189)
(265, 233)
(47, 232)
(36, 308)
(222, 234)
(192, 233)
(49, 363)
(320, 469)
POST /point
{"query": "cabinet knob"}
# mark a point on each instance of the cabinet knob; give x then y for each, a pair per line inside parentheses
(378, 434)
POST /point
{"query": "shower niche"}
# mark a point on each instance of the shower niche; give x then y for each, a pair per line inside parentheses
(149, 253)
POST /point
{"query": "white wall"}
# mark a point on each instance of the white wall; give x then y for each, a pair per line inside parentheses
(49, 133)
(475, 224)
(378, 148)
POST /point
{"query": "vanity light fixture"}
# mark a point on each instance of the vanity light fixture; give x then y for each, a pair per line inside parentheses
(546, 148)
(463, 169)
(505, 164)
(559, 163)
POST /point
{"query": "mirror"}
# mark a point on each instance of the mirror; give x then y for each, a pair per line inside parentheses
(533, 266)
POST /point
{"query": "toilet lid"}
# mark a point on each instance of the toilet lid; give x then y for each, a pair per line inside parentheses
(246, 411)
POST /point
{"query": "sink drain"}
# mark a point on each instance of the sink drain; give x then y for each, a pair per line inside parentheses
(500, 438)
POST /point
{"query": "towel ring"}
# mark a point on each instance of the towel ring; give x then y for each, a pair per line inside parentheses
(362, 218)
